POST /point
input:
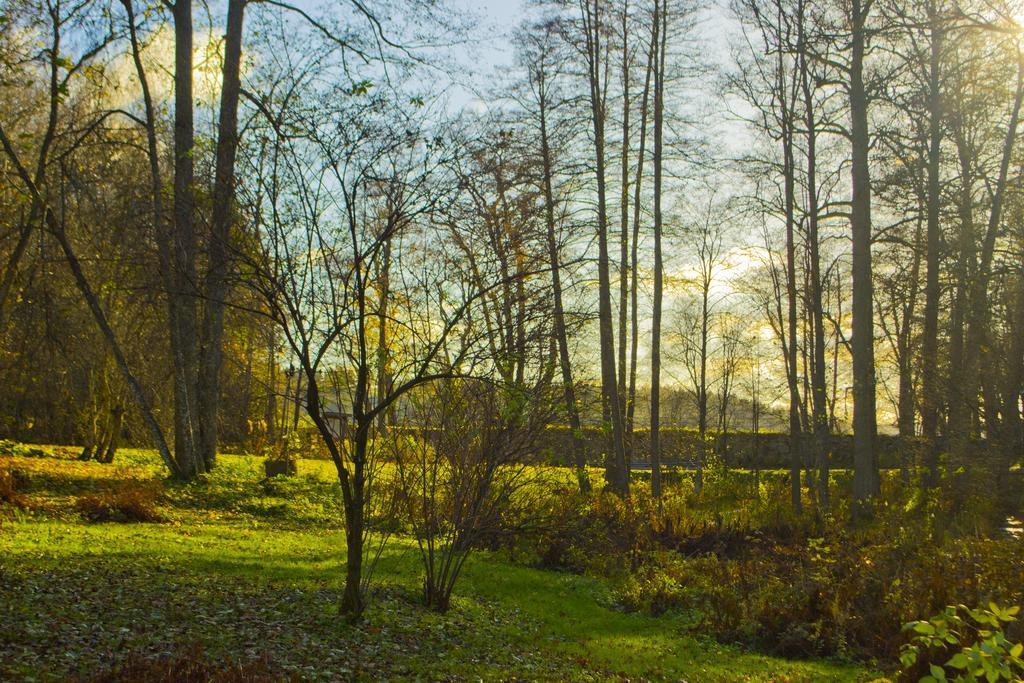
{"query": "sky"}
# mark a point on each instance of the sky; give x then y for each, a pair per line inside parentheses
(492, 44)
(501, 15)
(489, 48)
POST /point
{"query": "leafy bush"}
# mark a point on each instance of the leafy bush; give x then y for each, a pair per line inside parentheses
(13, 448)
(800, 587)
(963, 644)
(604, 534)
(652, 589)
(131, 501)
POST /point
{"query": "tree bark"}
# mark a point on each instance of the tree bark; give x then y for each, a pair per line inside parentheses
(658, 37)
(615, 470)
(635, 243)
(218, 250)
(819, 398)
(624, 238)
(702, 384)
(789, 201)
(865, 476)
(962, 389)
(929, 342)
(184, 341)
(114, 436)
(907, 400)
(554, 256)
(384, 381)
(353, 601)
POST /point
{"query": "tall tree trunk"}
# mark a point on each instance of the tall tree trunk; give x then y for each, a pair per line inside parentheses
(624, 237)
(905, 406)
(352, 489)
(384, 380)
(929, 341)
(352, 600)
(819, 398)
(982, 363)
(218, 249)
(184, 342)
(865, 465)
(796, 445)
(702, 384)
(962, 387)
(634, 321)
(356, 501)
(165, 239)
(554, 256)
(660, 22)
(615, 471)
(789, 199)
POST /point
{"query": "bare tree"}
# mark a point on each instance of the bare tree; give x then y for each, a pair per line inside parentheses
(594, 29)
(695, 322)
(865, 461)
(540, 57)
(466, 479)
(334, 201)
(658, 40)
(771, 84)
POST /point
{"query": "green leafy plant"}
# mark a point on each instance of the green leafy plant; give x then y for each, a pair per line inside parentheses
(963, 644)
(13, 448)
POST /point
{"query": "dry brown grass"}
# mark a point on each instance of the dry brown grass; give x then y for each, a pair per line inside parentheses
(130, 501)
(188, 666)
(9, 493)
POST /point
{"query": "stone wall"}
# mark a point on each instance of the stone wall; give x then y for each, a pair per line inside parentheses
(763, 450)
(748, 450)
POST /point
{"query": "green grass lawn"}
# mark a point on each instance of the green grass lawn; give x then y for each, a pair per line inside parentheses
(244, 570)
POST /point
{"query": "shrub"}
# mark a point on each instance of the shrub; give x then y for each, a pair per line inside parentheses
(652, 589)
(12, 448)
(131, 501)
(796, 586)
(467, 485)
(739, 562)
(280, 467)
(963, 644)
(604, 534)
